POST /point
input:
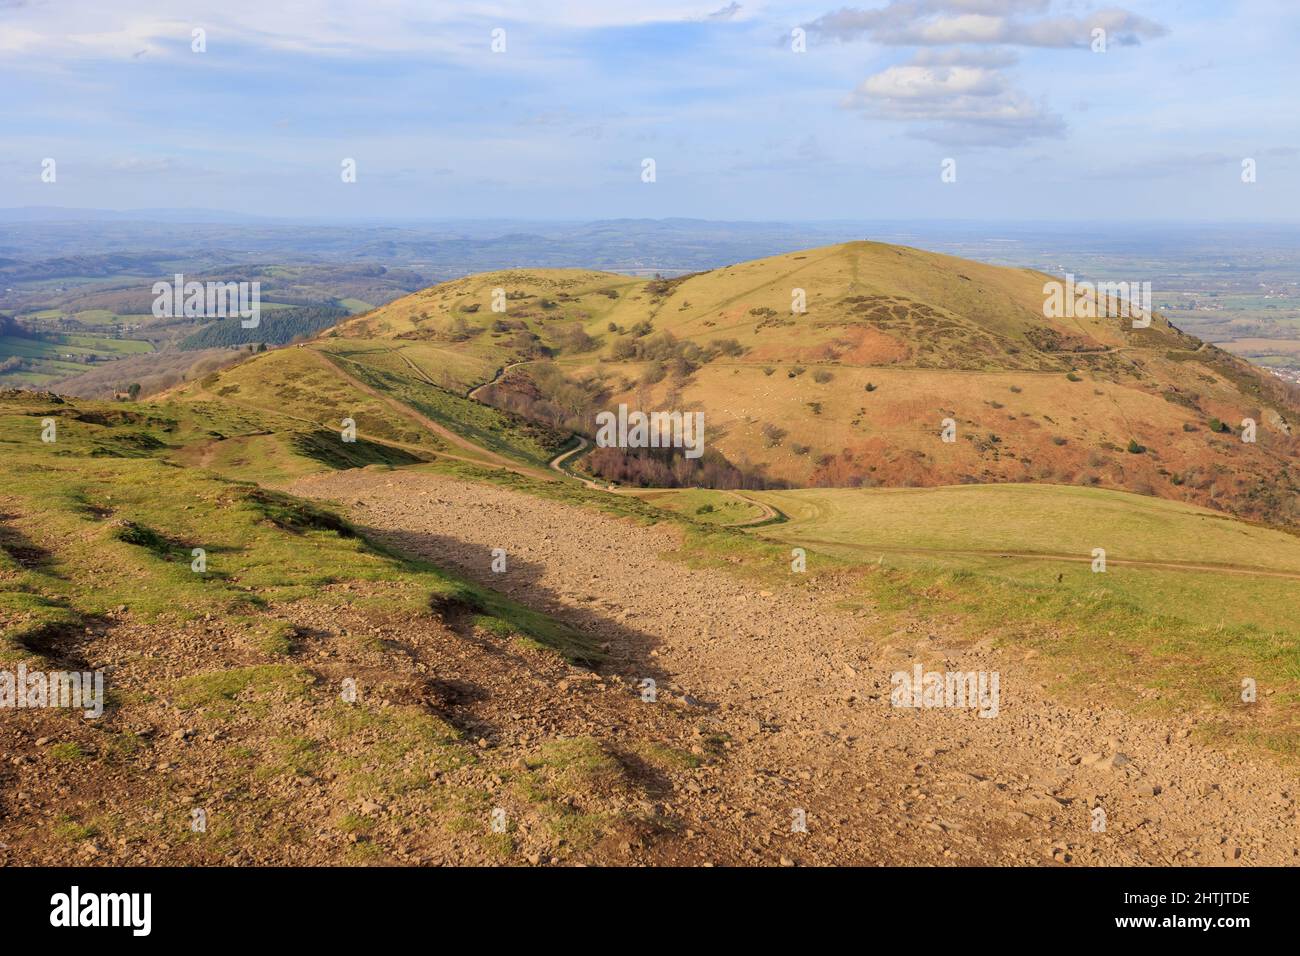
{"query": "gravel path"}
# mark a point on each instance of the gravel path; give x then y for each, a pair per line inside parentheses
(799, 695)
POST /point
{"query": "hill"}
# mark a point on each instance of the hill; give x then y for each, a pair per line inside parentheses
(225, 685)
(854, 390)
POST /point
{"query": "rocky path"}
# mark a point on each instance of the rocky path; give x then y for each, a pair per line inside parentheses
(797, 697)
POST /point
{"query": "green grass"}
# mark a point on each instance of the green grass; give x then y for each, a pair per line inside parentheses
(1033, 533)
(1045, 519)
(62, 355)
(225, 692)
(993, 561)
(557, 780)
(405, 745)
(103, 518)
(706, 506)
(73, 831)
(68, 752)
(481, 424)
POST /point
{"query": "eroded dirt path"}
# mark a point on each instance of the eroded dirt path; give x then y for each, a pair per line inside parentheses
(800, 696)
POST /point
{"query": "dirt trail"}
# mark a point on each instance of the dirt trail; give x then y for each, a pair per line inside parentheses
(500, 373)
(489, 457)
(801, 695)
(792, 537)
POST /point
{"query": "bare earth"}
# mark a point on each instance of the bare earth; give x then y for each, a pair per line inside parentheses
(800, 693)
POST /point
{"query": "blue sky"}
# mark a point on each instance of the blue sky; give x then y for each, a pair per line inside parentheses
(740, 126)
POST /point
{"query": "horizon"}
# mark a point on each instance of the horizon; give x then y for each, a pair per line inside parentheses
(59, 213)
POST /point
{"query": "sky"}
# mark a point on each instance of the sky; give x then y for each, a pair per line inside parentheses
(550, 109)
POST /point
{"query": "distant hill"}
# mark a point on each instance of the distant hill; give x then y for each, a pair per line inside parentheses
(855, 390)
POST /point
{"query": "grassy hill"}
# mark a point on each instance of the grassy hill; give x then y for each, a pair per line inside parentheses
(854, 391)
(223, 683)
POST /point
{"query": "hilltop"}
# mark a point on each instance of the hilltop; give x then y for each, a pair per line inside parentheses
(851, 392)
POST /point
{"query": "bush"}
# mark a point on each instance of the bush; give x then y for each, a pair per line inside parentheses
(1134, 448)
(822, 376)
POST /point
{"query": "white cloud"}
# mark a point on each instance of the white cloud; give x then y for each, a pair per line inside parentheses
(962, 102)
(942, 22)
(956, 84)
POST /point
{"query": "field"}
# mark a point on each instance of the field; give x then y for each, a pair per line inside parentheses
(1189, 604)
(40, 361)
(1164, 557)
(706, 507)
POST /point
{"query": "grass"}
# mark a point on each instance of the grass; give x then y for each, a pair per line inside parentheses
(105, 518)
(293, 756)
(73, 831)
(556, 779)
(68, 752)
(224, 692)
(297, 384)
(706, 506)
(1047, 519)
(895, 340)
(404, 745)
(481, 424)
(1151, 638)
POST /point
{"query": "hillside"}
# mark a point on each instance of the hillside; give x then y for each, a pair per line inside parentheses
(854, 391)
(225, 684)
(522, 691)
